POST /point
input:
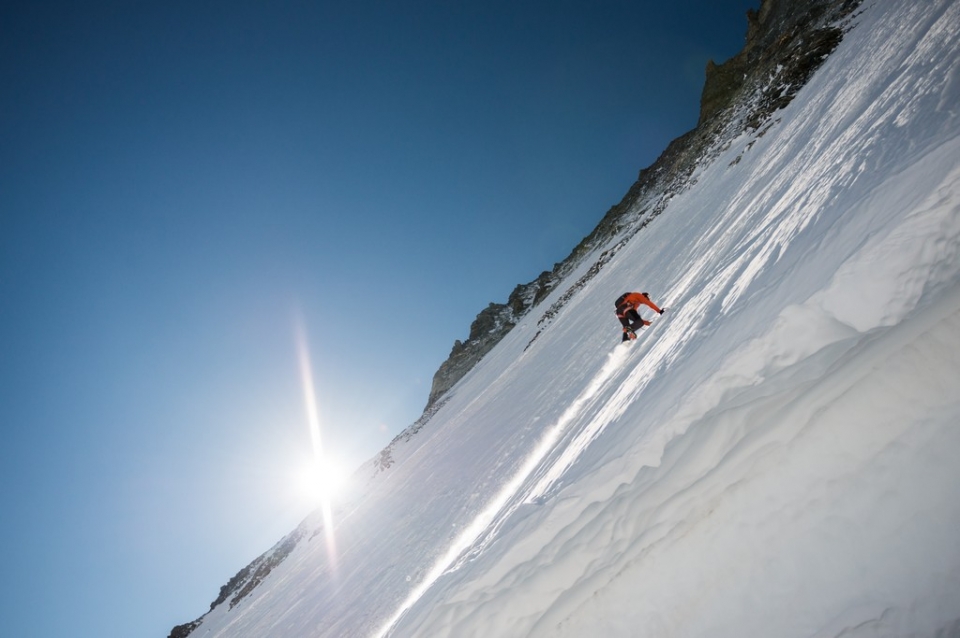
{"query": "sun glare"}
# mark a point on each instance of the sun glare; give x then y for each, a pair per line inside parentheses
(322, 477)
(319, 483)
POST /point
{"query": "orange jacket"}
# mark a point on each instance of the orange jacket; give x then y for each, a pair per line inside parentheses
(637, 298)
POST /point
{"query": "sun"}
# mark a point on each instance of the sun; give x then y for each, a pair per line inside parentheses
(321, 482)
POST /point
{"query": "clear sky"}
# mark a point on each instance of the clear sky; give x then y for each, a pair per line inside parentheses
(187, 186)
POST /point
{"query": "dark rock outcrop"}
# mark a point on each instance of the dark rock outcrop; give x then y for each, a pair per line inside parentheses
(182, 631)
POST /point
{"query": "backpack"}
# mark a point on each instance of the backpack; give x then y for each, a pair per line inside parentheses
(623, 298)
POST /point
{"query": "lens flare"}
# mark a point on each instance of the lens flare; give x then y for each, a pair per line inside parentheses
(320, 467)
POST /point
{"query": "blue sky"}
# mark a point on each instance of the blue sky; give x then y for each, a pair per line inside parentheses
(184, 184)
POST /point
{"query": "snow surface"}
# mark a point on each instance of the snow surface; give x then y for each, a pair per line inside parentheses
(775, 456)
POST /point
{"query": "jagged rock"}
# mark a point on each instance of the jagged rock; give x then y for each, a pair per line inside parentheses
(182, 631)
(784, 38)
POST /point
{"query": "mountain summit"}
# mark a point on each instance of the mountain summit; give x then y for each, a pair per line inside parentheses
(773, 456)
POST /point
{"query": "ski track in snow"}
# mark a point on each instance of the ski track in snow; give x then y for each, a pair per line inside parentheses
(774, 457)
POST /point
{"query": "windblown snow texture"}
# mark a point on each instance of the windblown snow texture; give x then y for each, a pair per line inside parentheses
(777, 459)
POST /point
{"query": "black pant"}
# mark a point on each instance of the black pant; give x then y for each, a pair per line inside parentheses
(629, 317)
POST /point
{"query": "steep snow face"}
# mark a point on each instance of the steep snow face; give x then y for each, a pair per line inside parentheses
(774, 456)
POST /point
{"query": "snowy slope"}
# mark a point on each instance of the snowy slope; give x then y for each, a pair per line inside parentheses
(775, 456)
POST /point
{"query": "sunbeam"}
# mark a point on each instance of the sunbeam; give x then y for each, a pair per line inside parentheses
(320, 464)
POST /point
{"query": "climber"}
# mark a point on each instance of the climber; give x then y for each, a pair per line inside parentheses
(627, 306)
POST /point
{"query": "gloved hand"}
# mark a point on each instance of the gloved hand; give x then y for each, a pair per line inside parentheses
(663, 310)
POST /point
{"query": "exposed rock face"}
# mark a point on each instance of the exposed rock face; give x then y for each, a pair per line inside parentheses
(787, 40)
(182, 631)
